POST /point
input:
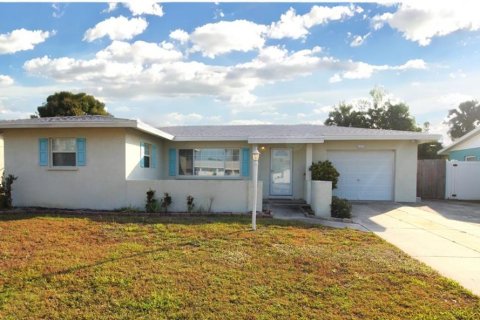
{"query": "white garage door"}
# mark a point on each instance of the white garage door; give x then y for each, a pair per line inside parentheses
(364, 175)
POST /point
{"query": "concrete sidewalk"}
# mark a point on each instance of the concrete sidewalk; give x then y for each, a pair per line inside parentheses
(295, 213)
(443, 234)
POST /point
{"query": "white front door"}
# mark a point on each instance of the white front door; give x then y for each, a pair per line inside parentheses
(281, 172)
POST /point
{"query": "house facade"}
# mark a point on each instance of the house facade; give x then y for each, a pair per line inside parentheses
(100, 162)
(465, 148)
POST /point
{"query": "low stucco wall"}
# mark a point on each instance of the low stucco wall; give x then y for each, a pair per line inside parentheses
(321, 198)
(224, 195)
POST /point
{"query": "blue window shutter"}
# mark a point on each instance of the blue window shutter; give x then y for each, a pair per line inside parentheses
(154, 156)
(142, 154)
(172, 162)
(43, 151)
(81, 151)
(246, 162)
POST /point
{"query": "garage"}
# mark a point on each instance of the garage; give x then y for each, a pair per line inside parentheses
(364, 175)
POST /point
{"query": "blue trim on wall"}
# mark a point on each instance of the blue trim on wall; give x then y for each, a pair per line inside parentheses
(81, 151)
(246, 162)
(172, 162)
(460, 155)
(43, 151)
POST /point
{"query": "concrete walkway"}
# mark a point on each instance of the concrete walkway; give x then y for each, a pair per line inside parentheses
(295, 213)
(443, 234)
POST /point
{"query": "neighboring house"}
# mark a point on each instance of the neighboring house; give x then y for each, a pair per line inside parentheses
(465, 148)
(102, 162)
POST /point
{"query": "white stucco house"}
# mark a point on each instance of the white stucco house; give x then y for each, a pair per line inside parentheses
(465, 148)
(102, 162)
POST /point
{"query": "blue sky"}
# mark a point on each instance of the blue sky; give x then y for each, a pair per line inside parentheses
(239, 63)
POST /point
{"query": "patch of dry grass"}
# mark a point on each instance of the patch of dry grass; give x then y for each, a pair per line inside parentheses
(201, 268)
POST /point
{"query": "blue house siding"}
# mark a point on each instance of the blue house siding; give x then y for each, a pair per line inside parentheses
(461, 154)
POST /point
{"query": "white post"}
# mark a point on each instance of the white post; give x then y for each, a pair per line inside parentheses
(255, 157)
(308, 173)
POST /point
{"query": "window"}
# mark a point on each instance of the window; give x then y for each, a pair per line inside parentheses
(209, 162)
(64, 152)
(147, 153)
(470, 158)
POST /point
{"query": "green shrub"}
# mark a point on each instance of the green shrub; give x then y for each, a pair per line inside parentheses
(325, 171)
(190, 204)
(166, 201)
(341, 208)
(152, 203)
(6, 190)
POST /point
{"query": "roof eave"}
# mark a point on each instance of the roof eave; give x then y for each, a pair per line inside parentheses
(472, 133)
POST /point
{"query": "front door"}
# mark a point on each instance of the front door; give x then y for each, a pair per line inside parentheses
(281, 172)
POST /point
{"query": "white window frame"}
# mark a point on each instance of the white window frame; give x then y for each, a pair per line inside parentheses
(51, 152)
(147, 153)
(470, 158)
(193, 176)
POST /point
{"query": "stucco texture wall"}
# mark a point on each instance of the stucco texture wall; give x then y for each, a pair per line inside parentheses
(134, 171)
(98, 185)
(405, 166)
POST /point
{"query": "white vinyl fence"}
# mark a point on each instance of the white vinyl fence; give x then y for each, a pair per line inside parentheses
(463, 180)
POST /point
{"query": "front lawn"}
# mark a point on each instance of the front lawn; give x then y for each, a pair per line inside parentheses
(200, 268)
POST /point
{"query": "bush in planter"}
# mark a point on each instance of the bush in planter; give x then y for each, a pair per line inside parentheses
(325, 171)
(341, 208)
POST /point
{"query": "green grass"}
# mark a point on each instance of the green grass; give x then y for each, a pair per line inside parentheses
(212, 268)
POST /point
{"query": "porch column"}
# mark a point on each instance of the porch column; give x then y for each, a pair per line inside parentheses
(308, 174)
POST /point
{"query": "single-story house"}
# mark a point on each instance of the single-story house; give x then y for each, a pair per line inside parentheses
(465, 148)
(101, 162)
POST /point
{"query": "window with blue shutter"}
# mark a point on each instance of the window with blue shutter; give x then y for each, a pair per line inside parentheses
(172, 162)
(142, 155)
(43, 151)
(154, 156)
(246, 162)
(81, 151)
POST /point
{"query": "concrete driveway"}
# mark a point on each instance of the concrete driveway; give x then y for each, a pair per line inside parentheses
(443, 234)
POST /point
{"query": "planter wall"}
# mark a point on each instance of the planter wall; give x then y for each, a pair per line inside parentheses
(321, 198)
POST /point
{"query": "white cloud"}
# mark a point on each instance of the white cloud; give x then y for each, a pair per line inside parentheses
(22, 40)
(421, 21)
(116, 28)
(358, 40)
(139, 7)
(139, 52)
(218, 38)
(179, 35)
(176, 118)
(296, 26)
(362, 70)
(6, 80)
(112, 6)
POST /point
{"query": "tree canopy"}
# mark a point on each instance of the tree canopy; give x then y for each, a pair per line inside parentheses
(463, 119)
(377, 114)
(70, 104)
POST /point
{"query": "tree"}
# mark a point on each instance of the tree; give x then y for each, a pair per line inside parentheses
(70, 104)
(429, 150)
(463, 119)
(380, 114)
(345, 116)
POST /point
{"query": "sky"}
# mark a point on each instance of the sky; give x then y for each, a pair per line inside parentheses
(240, 63)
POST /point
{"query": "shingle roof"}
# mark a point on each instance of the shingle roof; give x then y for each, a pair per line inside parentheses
(71, 119)
(87, 121)
(298, 131)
